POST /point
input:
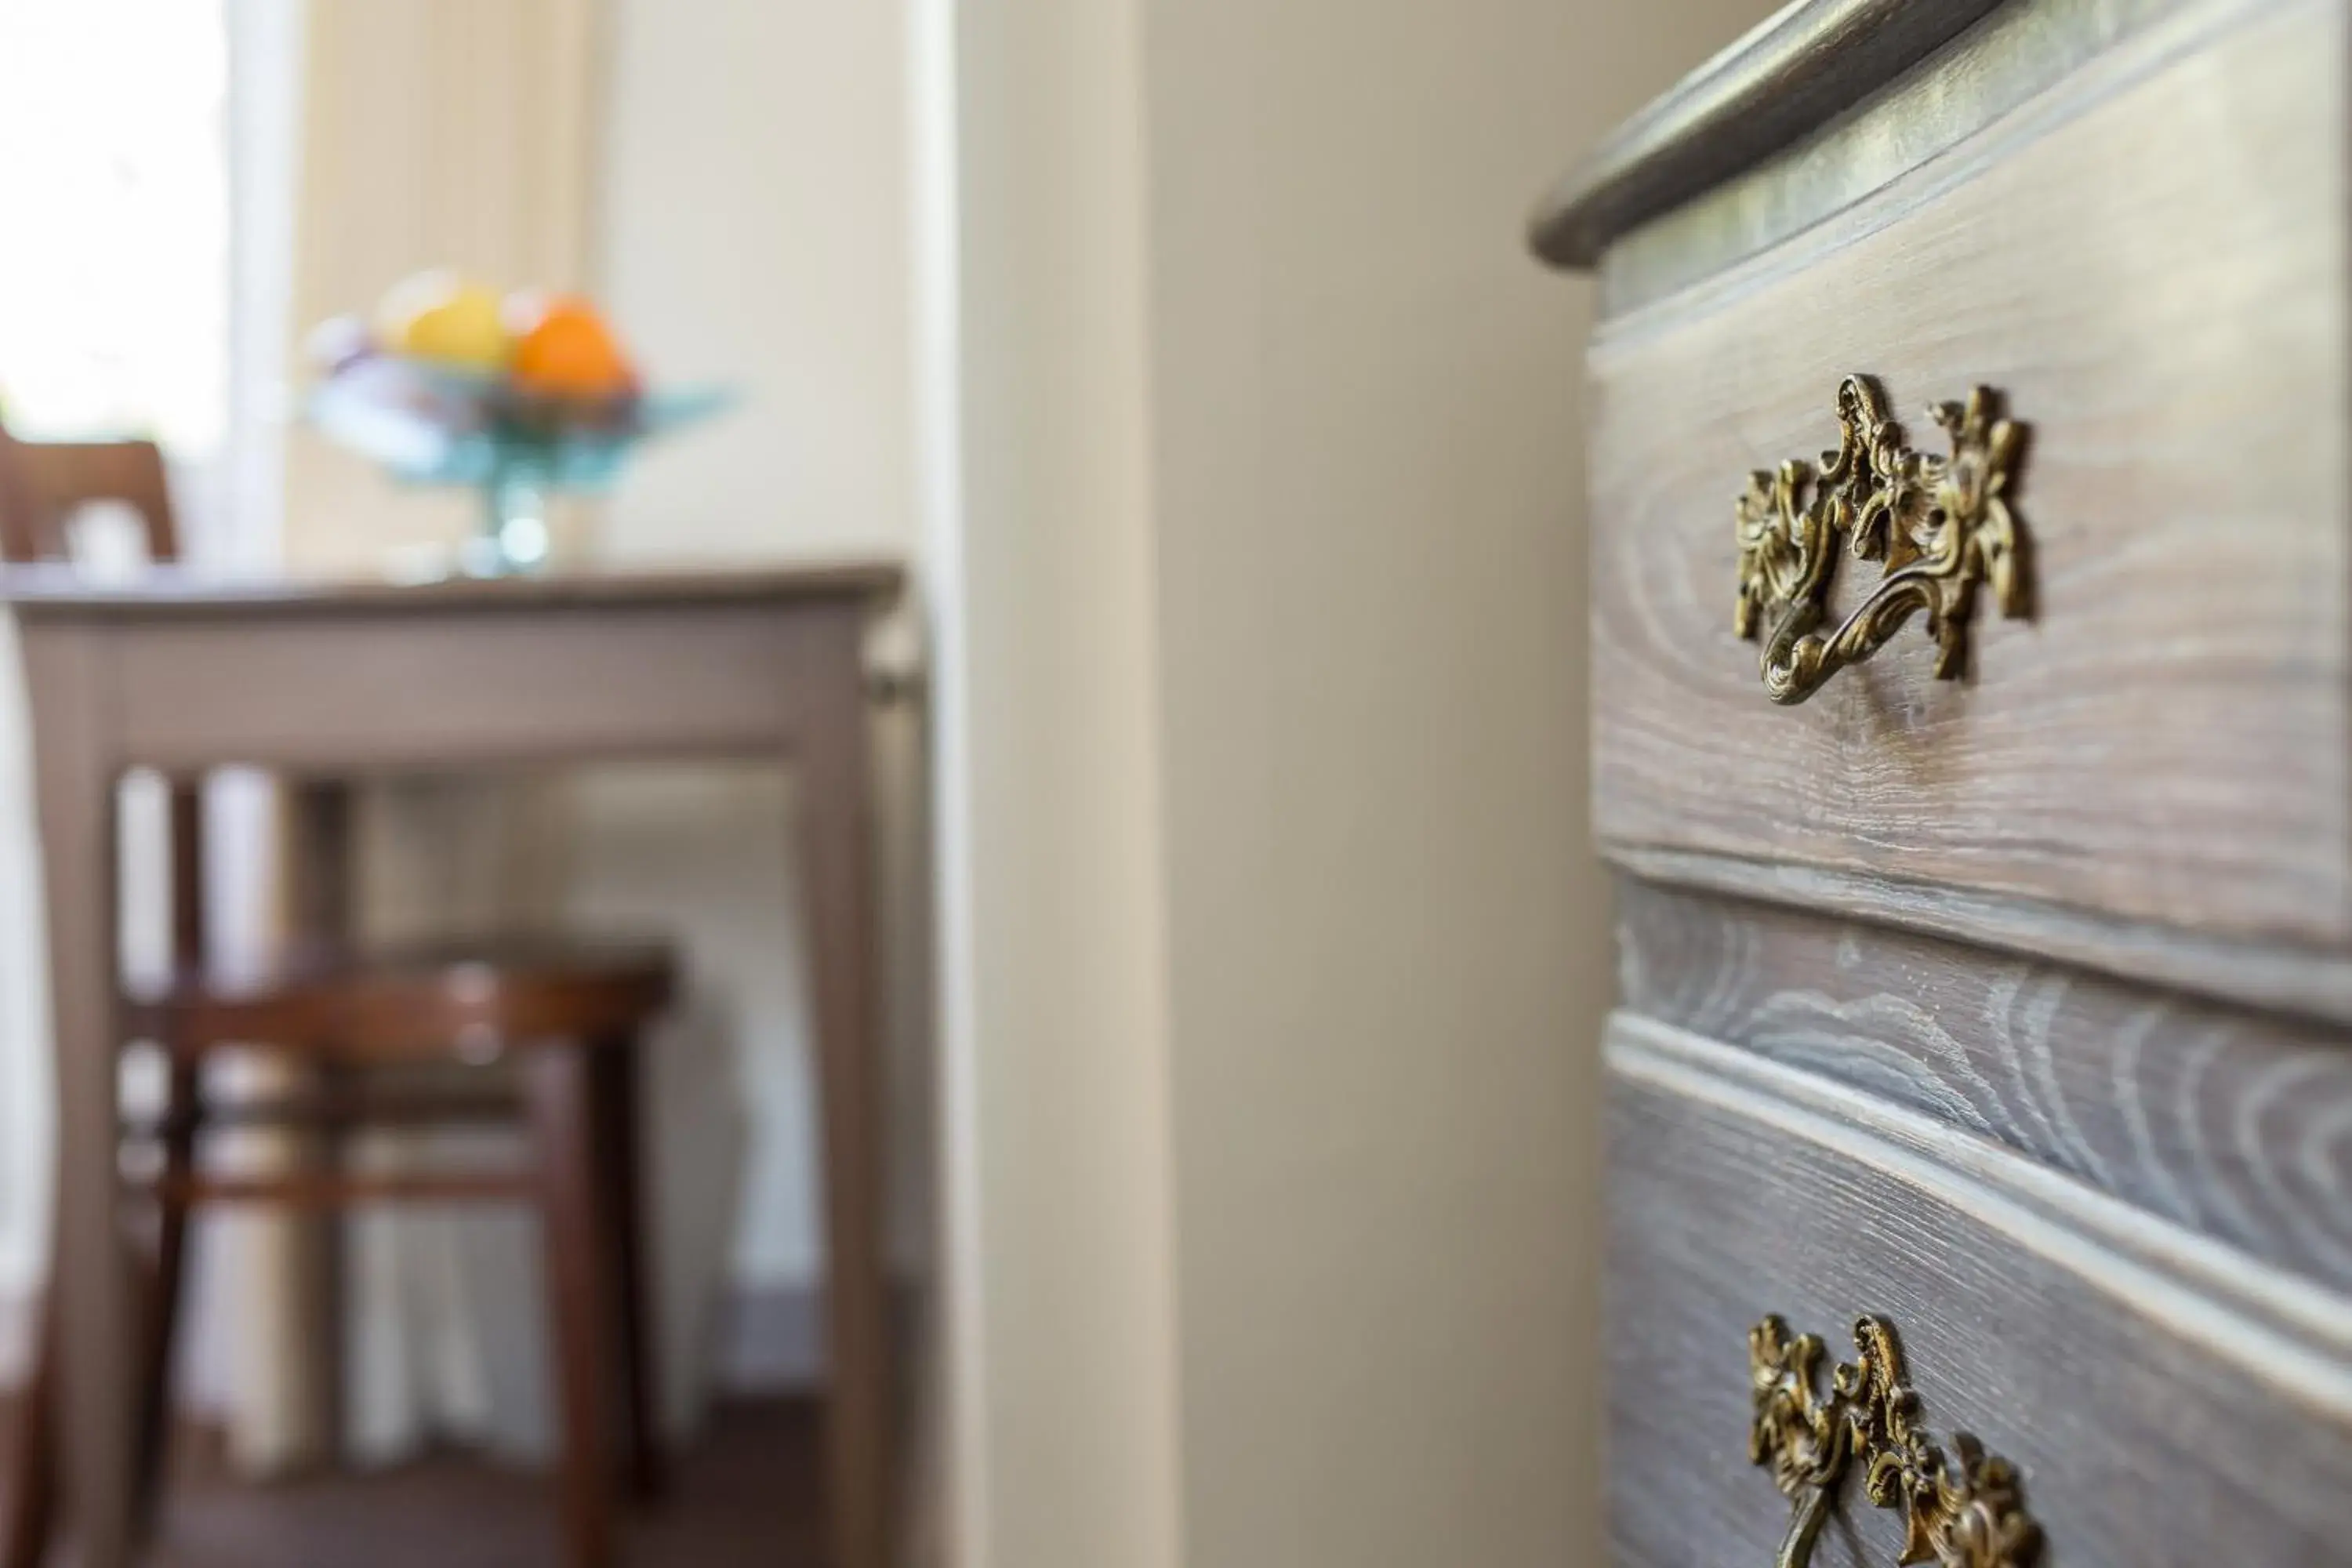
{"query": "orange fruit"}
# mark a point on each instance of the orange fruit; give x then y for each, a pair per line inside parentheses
(568, 351)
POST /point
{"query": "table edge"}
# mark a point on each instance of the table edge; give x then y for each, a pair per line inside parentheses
(46, 595)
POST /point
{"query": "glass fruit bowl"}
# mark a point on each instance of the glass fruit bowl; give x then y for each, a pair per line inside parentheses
(520, 400)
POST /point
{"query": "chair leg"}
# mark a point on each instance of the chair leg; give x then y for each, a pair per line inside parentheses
(559, 1105)
(327, 1294)
(159, 1357)
(32, 1481)
(621, 1170)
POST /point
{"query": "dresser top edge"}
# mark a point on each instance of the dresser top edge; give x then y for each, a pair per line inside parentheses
(1792, 74)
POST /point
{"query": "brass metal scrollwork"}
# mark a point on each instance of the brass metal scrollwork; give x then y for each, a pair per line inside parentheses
(1970, 1514)
(1942, 525)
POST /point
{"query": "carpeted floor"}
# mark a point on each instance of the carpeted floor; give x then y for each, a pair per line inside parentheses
(748, 1492)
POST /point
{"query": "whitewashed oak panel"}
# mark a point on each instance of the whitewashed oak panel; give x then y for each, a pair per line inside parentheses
(2156, 278)
(2156, 1422)
(2234, 1124)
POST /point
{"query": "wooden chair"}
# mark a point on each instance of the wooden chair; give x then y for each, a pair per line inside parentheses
(569, 1014)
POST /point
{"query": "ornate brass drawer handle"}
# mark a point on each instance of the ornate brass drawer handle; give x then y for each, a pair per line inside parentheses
(1971, 1515)
(1942, 525)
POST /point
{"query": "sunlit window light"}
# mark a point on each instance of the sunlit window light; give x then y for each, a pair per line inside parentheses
(114, 196)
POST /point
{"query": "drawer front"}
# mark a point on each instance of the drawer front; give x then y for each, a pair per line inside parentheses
(2161, 1404)
(2148, 264)
(2233, 1124)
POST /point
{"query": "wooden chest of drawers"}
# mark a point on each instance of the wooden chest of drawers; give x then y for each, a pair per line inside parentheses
(1970, 439)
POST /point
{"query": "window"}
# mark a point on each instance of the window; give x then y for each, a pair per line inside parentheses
(114, 216)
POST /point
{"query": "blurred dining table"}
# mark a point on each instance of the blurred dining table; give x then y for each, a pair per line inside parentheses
(181, 675)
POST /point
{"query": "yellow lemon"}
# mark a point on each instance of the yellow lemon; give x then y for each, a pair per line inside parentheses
(445, 318)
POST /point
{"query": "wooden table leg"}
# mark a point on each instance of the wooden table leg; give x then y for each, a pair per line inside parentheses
(74, 782)
(837, 805)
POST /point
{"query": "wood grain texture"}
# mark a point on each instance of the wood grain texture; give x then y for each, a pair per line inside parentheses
(2277, 976)
(1991, 83)
(1797, 70)
(2237, 1125)
(2167, 742)
(2153, 1424)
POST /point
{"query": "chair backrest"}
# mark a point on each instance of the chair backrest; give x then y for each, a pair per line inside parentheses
(42, 483)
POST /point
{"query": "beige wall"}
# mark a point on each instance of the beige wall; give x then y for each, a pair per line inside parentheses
(754, 228)
(1054, 980)
(1275, 941)
(1388, 947)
